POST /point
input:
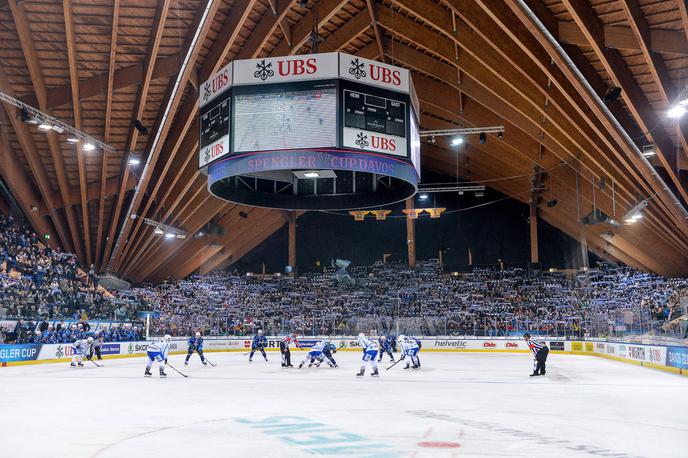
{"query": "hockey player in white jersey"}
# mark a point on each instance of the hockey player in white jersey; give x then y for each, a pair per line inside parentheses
(157, 351)
(314, 353)
(80, 349)
(409, 347)
(369, 353)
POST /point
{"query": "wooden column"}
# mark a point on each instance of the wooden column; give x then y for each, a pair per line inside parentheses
(534, 254)
(410, 235)
(292, 242)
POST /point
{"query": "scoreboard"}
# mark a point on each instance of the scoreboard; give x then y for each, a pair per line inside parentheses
(374, 114)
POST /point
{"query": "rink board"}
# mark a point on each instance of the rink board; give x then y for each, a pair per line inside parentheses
(671, 359)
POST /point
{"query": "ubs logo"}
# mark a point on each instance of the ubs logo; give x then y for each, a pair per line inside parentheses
(264, 70)
(362, 140)
(357, 69)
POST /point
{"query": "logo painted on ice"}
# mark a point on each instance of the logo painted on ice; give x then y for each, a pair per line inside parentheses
(357, 69)
(264, 70)
(362, 140)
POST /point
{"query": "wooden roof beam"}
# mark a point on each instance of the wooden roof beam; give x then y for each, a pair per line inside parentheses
(72, 59)
(108, 127)
(169, 147)
(614, 64)
(139, 106)
(36, 74)
(94, 192)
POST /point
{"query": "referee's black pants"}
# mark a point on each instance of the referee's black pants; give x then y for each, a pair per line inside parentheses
(286, 354)
(541, 359)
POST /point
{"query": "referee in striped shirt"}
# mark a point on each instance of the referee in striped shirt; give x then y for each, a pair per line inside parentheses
(540, 351)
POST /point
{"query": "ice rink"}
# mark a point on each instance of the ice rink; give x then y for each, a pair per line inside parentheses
(456, 405)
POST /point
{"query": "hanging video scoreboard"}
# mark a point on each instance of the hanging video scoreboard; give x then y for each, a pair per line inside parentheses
(329, 101)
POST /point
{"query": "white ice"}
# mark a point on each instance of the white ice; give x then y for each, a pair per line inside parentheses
(457, 404)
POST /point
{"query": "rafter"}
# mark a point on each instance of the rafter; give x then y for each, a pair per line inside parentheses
(31, 58)
(72, 58)
(130, 145)
(108, 129)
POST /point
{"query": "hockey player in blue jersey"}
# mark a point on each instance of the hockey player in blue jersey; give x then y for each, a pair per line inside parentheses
(410, 348)
(195, 344)
(385, 347)
(157, 351)
(326, 355)
(369, 353)
(259, 343)
(314, 353)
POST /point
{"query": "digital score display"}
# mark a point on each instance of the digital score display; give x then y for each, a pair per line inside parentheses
(375, 114)
(285, 120)
(214, 136)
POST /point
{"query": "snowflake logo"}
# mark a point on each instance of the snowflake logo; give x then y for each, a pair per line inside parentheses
(59, 352)
(357, 69)
(264, 71)
(362, 140)
(206, 92)
(206, 155)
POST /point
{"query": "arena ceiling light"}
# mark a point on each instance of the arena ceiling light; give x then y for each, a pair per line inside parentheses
(649, 150)
(423, 196)
(635, 214)
(163, 229)
(311, 174)
(457, 141)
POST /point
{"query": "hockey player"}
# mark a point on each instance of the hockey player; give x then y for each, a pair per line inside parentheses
(259, 343)
(157, 351)
(98, 340)
(540, 352)
(195, 344)
(409, 348)
(327, 353)
(284, 348)
(385, 347)
(81, 348)
(314, 354)
(369, 353)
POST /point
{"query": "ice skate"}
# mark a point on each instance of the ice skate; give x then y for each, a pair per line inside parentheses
(147, 373)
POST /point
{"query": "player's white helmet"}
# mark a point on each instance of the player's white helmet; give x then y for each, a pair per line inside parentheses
(361, 335)
(383, 337)
(90, 340)
(198, 334)
(167, 337)
(401, 337)
(38, 333)
(260, 332)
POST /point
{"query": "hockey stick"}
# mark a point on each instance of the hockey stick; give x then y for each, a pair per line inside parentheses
(395, 363)
(175, 369)
(97, 365)
(209, 361)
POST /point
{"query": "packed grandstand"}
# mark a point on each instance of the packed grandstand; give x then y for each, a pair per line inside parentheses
(45, 298)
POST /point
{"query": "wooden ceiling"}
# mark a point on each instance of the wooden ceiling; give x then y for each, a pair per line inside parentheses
(101, 64)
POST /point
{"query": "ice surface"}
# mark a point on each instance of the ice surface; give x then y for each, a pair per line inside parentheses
(458, 404)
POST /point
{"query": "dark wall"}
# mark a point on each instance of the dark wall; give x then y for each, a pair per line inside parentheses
(495, 231)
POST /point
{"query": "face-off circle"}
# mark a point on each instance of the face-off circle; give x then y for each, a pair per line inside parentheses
(316, 132)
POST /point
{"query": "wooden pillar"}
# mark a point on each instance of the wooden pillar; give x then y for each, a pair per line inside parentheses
(410, 235)
(534, 253)
(292, 242)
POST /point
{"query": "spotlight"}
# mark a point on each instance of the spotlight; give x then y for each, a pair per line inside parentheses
(140, 127)
(169, 235)
(311, 174)
(88, 146)
(483, 138)
(423, 196)
(500, 135)
(612, 94)
(457, 141)
(58, 129)
(634, 214)
(45, 126)
(73, 139)
(133, 160)
(158, 230)
(431, 140)
(676, 112)
(551, 203)
(649, 150)
(28, 117)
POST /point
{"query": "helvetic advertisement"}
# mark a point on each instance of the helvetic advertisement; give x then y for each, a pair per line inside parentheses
(373, 72)
(373, 141)
(285, 69)
(216, 85)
